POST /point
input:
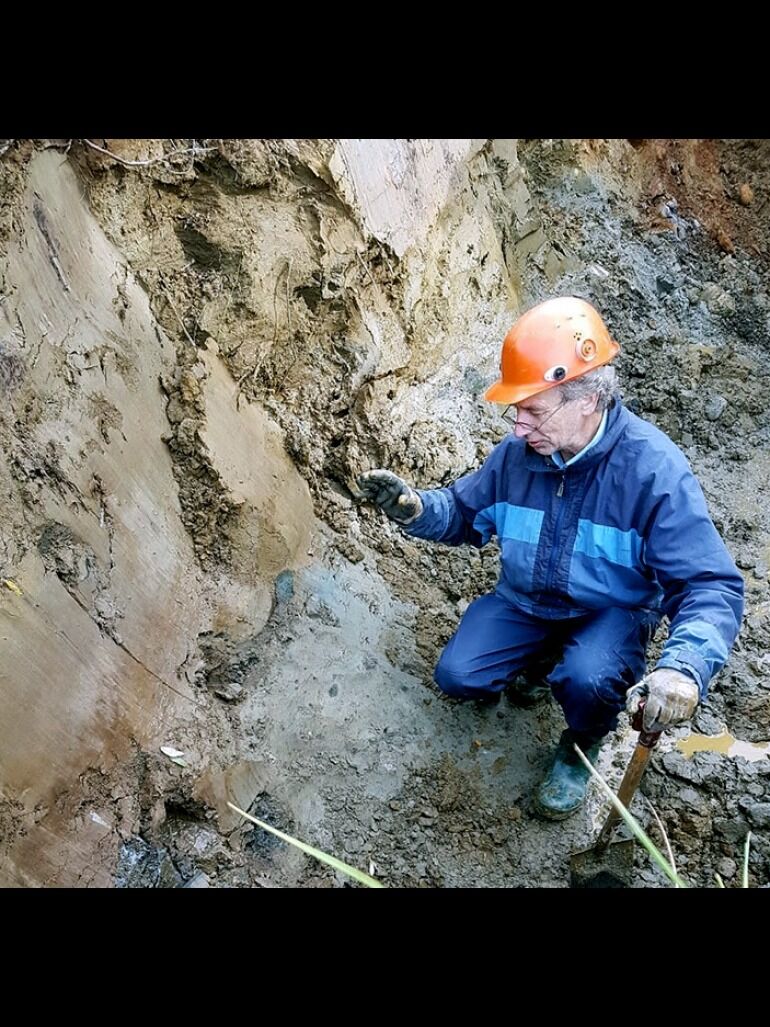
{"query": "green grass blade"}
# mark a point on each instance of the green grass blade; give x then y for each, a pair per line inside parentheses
(634, 826)
(661, 828)
(332, 861)
(746, 861)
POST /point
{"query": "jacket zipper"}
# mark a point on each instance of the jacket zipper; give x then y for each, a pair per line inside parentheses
(554, 548)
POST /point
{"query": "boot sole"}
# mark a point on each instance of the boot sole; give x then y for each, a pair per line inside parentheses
(547, 813)
(527, 699)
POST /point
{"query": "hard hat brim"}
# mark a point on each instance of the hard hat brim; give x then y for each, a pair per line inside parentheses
(500, 392)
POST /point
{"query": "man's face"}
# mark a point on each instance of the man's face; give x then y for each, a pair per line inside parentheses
(549, 424)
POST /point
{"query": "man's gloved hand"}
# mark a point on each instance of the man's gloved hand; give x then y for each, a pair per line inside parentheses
(400, 502)
(671, 698)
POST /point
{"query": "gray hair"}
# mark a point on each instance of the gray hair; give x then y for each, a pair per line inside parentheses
(602, 380)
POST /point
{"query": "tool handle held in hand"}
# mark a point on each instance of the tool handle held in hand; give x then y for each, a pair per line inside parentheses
(649, 739)
(639, 758)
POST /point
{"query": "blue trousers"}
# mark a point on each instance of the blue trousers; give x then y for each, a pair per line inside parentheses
(601, 655)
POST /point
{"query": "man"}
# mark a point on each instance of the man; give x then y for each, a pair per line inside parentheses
(603, 528)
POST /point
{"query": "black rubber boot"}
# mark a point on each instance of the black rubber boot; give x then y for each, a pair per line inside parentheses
(531, 687)
(527, 690)
(563, 791)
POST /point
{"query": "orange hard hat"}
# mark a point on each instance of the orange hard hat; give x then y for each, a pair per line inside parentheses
(553, 342)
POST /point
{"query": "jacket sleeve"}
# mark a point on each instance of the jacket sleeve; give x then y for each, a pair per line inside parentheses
(702, 587)
(465, 511)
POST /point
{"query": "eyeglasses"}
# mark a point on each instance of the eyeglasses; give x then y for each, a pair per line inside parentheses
(511, 416)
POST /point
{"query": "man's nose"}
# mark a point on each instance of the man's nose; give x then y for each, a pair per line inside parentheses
(522, 430)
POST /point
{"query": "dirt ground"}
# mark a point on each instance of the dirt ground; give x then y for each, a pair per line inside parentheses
(198, 354)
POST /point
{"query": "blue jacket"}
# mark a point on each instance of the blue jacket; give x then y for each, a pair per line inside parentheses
(626, 525)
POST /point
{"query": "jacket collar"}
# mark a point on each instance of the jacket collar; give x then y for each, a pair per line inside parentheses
(617, 421)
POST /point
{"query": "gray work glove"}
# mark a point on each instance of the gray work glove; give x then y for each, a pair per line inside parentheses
(671, 698)
(400, 502)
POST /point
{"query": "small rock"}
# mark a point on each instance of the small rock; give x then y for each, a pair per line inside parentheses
(664, 286)
(715, 407)
(199, 881)
(697, 769)
(349, 549)
(745, 194)
(598, 271)
(230, 691)
(732, 830)
(759, 814)
(716, 299)
(707, 724)
(726, 867)
(693, 799)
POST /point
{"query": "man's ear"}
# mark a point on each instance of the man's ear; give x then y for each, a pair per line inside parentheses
(589, 403)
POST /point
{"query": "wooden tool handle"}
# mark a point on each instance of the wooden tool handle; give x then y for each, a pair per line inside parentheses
(645, 744)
